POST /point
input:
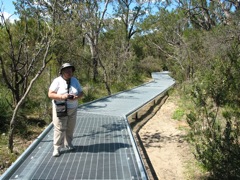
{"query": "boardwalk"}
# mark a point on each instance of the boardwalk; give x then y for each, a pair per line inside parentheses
(105, 147)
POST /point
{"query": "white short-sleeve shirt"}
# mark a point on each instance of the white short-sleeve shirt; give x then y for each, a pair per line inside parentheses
(60, 86)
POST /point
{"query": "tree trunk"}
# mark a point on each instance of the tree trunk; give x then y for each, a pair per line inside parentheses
(94, 55)
(14, 116)
(105, 78)
(10, 138)
(95, 66)
(12, 126)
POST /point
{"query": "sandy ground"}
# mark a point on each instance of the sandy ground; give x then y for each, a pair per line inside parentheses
(164, 141)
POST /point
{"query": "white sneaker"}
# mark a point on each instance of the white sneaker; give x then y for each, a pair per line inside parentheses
(70, 148)
(56, 153)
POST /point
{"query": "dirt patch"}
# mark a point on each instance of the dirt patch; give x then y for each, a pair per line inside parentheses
(165, 143)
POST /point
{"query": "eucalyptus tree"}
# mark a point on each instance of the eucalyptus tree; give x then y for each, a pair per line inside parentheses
(113, 55)
(165, 37)
(59, 15)
(25, 52)
(206, 14)
(90, 16)
(130, 12)
(85, 17)
(119, 29)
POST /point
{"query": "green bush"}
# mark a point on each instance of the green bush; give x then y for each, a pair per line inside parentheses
(178, 114)
(215, 131)
(5, 115)
(215, 119)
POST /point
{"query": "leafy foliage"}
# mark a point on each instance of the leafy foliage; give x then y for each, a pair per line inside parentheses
(5, 115)
(215, 121)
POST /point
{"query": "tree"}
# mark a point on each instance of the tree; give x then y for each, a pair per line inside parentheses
(25, 47)
(205, 14)
(167, 37)
(130, 12)
(89, 16)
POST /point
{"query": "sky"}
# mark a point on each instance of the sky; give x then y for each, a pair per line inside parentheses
(8, 9)
(8, 6)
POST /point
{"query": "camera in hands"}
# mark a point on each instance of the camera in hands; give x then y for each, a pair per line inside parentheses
(70, 96)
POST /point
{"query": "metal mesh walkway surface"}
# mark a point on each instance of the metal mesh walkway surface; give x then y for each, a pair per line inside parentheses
(105, 147)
